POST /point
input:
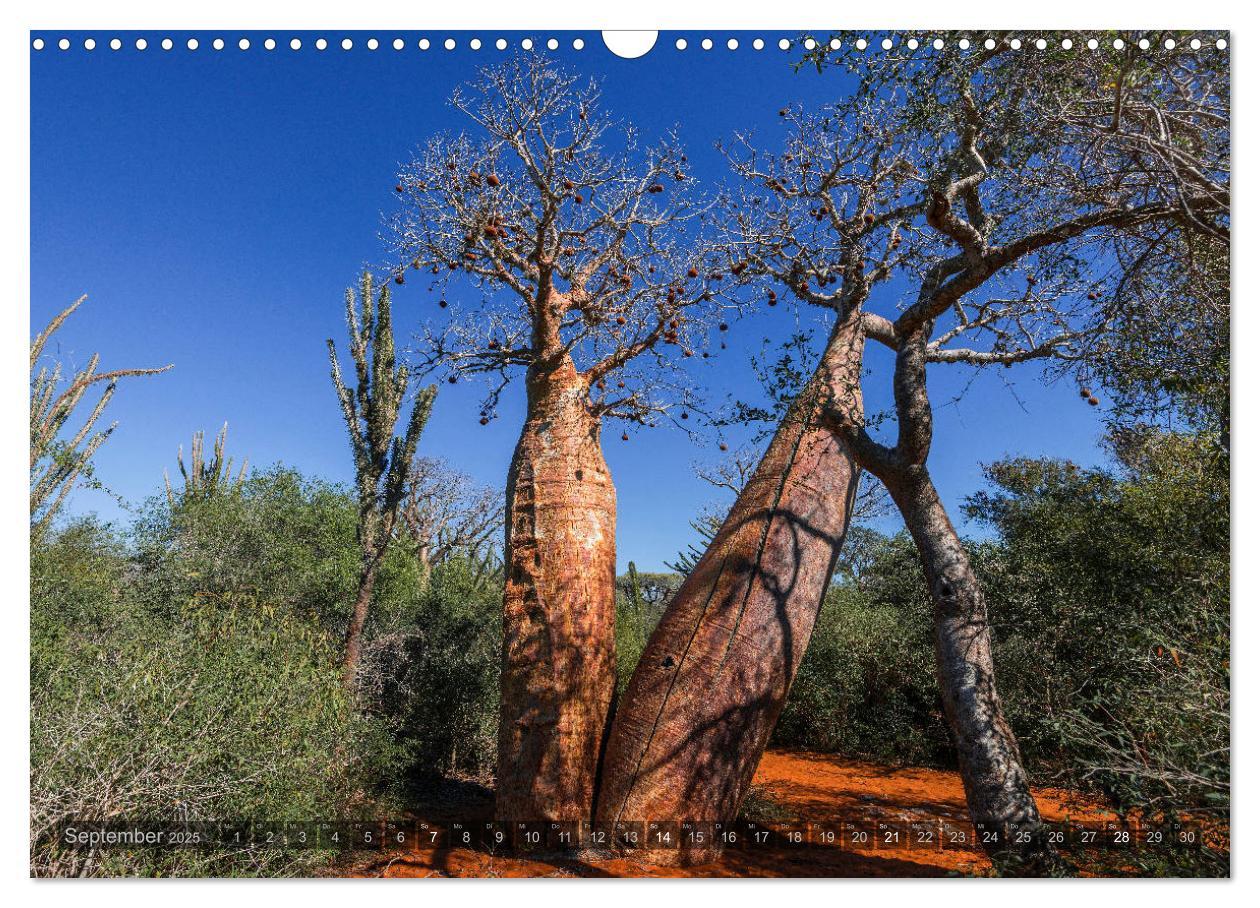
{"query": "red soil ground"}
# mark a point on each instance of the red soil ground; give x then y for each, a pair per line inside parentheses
(795, 788)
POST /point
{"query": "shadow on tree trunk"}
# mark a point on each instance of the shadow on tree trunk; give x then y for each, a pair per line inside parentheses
(715, 674)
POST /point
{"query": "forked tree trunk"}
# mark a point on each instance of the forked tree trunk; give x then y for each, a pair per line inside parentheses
(714, 676)
(558, 668)
(998, 796)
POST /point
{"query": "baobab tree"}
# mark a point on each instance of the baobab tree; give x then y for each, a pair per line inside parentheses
(996, 206)
(1168, 362)
(781, 369)
(715, 674)
(577, 250)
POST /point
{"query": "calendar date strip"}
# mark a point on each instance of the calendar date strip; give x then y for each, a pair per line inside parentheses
(523, 837)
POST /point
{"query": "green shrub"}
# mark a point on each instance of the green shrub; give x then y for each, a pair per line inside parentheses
(1113, 615)
(218, 711)
(189, 671)
(277, 537)
(641, 599)
(1108, 593)
(435, 680)
(866, 687)
(77, 578)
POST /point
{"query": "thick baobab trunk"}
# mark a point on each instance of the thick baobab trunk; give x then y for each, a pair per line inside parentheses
(558, 670)
(998, 795)
(353, 650)
(712, 681)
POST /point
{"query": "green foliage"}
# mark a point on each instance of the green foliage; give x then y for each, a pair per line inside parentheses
(275, 537)
(782, 370)
(641, 600)
(203, 710)
(77, 576)
(1167, 361)
(1113, 613)
(435, 679)
(867, 686)
(190, 671)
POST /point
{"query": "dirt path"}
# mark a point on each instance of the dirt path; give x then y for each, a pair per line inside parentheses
(790, 788)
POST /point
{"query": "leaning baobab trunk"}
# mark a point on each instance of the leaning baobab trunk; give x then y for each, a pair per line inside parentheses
(962, 174)
(715, 674)
(558, 606)
(998, 795)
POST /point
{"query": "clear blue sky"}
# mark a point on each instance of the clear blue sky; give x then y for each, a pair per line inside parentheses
(216, 204)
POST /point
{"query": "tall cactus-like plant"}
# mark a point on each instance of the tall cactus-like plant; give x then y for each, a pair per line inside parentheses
(634, 598)
(382, 459)
(204, 478)
(57, 462)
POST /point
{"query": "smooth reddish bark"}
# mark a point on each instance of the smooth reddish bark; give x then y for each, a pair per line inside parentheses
(715, 674)
(558, 668)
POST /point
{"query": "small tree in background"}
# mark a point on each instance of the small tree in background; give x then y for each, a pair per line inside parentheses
(644, 595)
(203, 478)
(445, 515)
(382, 460)
(583, 246)
(56, 463)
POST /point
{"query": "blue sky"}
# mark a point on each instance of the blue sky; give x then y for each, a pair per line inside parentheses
(214, 205)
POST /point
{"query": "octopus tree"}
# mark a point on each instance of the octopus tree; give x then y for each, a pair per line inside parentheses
(999, 208)
(578, 248)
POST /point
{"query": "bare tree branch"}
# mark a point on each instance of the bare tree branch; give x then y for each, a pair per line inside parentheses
(581, 241)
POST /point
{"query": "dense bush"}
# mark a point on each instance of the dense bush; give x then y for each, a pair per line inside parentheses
(190, 668)
(435, 679)
(642, 597)
(187, 670)
(866, 686)
(1113, 613)
(277, 537)
(198, 711)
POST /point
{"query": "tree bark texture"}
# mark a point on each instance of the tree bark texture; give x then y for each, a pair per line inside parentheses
(714, 676)
(353, 651)
(558, 667)
(998, 795)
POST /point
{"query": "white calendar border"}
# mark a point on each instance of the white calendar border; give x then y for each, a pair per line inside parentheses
(670, 14)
